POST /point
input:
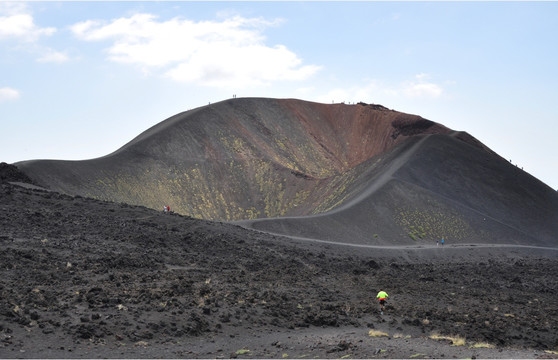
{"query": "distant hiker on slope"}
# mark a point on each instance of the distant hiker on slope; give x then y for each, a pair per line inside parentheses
(382, 298)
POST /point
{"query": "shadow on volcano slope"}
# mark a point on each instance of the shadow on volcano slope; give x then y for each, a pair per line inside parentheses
(359, 174)
(432, 187)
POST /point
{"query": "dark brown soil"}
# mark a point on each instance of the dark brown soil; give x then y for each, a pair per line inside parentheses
(86, 278)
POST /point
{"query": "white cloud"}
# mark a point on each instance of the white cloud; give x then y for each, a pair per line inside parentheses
(16, 23)
(22, 26)
(230, 52)
(12, 7)
(430, 90)
(377, 91)
(53, 56)
(7, 94)
(422, 87)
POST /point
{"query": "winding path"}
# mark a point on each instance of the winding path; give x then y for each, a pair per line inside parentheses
(409, 247)
(374, 186)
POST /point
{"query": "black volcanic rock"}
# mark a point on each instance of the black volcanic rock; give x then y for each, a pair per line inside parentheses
(10, 173)
(83, 278)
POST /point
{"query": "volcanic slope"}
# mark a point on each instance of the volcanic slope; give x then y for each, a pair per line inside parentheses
(240, 159)
(432, 187)
(359, 174)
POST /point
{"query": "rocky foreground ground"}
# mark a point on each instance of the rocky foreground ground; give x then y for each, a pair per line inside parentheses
(85, 278)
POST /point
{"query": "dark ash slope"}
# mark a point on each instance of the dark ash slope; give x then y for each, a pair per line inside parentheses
(432, 187)
(239, 159)
(359, 174)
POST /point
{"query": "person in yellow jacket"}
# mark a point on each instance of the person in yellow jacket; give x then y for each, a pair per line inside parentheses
(382, 298)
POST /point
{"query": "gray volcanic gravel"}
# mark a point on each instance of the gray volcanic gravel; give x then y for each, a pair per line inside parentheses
(82, 278)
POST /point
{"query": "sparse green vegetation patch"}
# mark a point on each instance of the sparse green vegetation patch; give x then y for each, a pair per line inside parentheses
(432, 224)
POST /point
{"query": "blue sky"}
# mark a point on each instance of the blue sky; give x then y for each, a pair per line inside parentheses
(80, 79)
